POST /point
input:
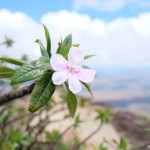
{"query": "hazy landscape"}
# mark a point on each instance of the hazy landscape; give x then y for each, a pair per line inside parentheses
(125, 87)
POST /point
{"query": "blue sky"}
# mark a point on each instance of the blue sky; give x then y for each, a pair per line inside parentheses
(36, 8)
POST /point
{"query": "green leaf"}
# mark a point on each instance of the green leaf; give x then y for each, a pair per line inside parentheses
(48, 39)
(102, 147)
(42, 48)
(88, 88)
(123, 144)
(26, 72)
(86, 67)
(72, 103)
(78, 121)
(6, 72)
(105, 115)
(42, 92)
(12, 61)
(66, 42)
(44, 62)
(76, 45)
(66, 51)
(88, 56)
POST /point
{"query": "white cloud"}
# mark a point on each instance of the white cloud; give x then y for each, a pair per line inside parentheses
(23, 30)
(109, 5)
(121, 41)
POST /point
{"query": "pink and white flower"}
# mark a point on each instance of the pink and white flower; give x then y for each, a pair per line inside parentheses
(71, 70)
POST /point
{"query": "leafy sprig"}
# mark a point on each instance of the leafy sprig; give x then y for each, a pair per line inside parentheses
(41, 72)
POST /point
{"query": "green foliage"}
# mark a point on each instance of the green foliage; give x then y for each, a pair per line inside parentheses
(104, 114)
(87, 86)
(15, 138)
(66, 43)
(44, 63)
(24, 57)
(52, 136)
(42, 48)
(123, 144)
(65, 51)
(6, 72)
(72, 103)
(40, 72)
(8, 42)
(88, 56)
(143, 118)
(48, 40)
(78, 121)
(42, 92)
(102, 147)
(26, 73)
(12, 61)
(147, 130)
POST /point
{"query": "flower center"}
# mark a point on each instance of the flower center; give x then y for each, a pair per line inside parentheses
(72, 69)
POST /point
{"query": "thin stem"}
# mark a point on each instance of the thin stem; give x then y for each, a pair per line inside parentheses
(88, 137)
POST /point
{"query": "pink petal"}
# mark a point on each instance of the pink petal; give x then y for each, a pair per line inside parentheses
(59, 77)
(58, 62)
(74, 84)
(76, 56)
(86, 75)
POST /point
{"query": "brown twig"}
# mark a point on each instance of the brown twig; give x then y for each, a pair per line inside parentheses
(8, 97)
(88, 137)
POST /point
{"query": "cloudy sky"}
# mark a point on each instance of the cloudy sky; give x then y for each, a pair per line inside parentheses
(118, 31)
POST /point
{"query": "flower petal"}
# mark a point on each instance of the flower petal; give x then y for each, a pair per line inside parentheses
(58, 62)
(76, 56)
(86, 75)
(59, 77)
(74, 84)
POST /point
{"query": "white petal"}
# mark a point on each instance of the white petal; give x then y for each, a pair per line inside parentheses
(59, 77)
(86, 75)
(76, 56)
(74, 84)
(58, 62)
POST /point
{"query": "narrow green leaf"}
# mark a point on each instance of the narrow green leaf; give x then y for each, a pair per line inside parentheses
(42, 48)
(12, 61)
(44, 62)
(66, 42)
(6, 72)
(88, 56)
(26, 72)
(76, 45)
(86, 67)
(48, 39)
(66, 51)
(88, 88)
(42, 92)
(72, 103)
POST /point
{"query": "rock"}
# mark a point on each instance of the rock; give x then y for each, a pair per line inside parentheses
(132, 127)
